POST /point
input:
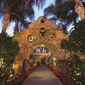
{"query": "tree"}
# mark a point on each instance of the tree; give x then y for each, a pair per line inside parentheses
(76, 40)
(58, 10)
(71, 17)
(10, 8)
(29, 14)
(8, 50)
(32, 57)
(76, 46)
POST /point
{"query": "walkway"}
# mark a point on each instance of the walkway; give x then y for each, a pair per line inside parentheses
(42, 75)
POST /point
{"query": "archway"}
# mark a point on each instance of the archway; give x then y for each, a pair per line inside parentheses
(42, 53)
(30, 39)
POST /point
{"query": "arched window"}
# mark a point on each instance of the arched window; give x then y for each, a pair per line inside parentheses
(42, 32)
(42, 21)
(52, 36)
(63, 45)
(30, 38)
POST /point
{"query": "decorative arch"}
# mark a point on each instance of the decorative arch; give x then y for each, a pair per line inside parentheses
(49, 46)
(35, 29)
(42, 31)
(52, 35)
(30, 38)
(42, 21)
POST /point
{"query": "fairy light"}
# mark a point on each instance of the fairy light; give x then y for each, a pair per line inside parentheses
(59, 4)
(64, 9)
(8, 11)
(39, 3)
(13, 4)
(27, 3)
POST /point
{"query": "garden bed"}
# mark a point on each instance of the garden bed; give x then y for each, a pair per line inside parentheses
(65, 80)
(20, 79)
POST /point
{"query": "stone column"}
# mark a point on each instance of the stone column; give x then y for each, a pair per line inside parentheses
(40, 60)
(18, 66)
(27, 66)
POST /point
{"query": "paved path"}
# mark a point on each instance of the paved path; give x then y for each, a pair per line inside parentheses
(42, 75)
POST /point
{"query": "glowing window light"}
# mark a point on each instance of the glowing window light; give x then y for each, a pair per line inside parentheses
(42, 45)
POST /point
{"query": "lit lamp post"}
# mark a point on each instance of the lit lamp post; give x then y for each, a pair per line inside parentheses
(78, 74)
(13, 67)
(54, 59)
(52, 54)
(1, 62)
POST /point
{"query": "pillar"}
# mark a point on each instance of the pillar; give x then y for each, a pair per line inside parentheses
(18, 66)
(27, 66)
(40, 60)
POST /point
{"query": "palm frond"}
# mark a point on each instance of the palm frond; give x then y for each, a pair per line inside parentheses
(25, 24)
(40, 3)
(49, 10)
(54, 19)
(69, 18)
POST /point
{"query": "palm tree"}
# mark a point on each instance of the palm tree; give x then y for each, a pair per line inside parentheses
(29, 13)
(71, 16)
(79, 9)
(55, 9)
(10, 8)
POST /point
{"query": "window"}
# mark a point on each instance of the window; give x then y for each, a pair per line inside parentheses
(52, 36)
(63, 45)
(42, 21)
(30, 37)
(42, 32)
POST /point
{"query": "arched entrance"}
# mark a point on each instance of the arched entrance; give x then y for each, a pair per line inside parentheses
(43, 52)
(43, 61)
(39, 33)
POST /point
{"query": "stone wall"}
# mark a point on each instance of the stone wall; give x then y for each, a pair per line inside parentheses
(31, 38)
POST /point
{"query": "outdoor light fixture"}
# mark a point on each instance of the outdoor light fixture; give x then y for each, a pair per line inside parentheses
(54, 58)
(13, 65)
(42, 45)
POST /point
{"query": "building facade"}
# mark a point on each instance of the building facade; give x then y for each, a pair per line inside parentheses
(40, 31)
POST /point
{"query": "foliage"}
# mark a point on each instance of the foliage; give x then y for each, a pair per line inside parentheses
(19, 10)
(52, 63)
(53, 9)
(8, 47)
(73, 59)
(20, 7)
(32, 56)
(76, 42)
(43, 58)
(76, 46)
(8, 50)
(81, 65)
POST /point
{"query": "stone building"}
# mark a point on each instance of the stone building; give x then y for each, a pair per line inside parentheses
(40, 31)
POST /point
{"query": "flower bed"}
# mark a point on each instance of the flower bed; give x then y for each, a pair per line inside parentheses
(20, 79)
(62, 77)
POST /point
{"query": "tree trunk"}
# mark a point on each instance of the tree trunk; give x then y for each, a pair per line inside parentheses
(6, 20)
(20, 26)
(74, 19)
(79, 9)
(16, 29)
(61, 21)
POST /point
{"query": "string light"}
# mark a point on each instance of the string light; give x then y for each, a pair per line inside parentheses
(8, 10)
(26, 5)
(59, 4)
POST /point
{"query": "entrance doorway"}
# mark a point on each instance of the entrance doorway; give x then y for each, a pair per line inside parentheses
(43, 60)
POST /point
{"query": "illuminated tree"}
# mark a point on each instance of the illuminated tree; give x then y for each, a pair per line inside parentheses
(76, 46)
(58, 10)
(13, 9)
(8, 50)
